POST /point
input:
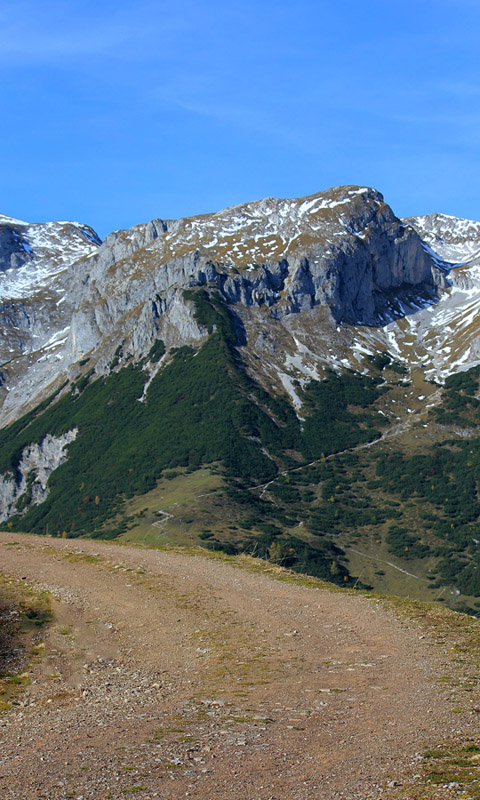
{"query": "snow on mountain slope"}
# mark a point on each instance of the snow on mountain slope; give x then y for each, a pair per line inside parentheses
(436, 337)
(246, 235)
(35, 313)
(315, 282)
(343, 249)
(453, 239)
(46, 250)
(249, 234)
(441, 337)
(11, 220)
(444, 336)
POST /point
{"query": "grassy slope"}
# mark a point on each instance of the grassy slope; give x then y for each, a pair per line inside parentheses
(374, 502)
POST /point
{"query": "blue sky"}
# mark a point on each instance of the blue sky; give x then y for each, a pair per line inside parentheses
(117, 112)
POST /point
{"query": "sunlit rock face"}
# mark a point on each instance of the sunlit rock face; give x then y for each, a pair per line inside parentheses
(28, 486)
(320, 280)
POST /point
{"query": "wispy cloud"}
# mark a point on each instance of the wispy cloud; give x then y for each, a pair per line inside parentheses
(32, 32)
(459, 89)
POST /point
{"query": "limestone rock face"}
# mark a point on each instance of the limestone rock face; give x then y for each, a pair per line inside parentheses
(340, 257)
(35, 315)
(14, 249)
(33, 275)
(29, 486)
(342, 249)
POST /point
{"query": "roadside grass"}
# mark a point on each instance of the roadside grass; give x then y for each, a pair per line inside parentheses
(86, 558)
(450, 766)
(24, 613)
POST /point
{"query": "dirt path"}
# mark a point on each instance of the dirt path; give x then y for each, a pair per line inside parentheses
(395, 430)
(176, 676)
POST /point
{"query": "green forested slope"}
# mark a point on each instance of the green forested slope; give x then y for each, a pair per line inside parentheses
(309, 495)
(200, 409)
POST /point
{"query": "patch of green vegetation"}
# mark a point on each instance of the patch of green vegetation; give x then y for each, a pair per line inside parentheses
(453, 765)
(82, 382)
(87, 558)
(330, 425)
(403, 544)
(117, 356)
(459, 402)
(380, 360)
(24, 612)
(445, 480)
(18, 680)
(323, 561)
(156, 351)
(419, 504)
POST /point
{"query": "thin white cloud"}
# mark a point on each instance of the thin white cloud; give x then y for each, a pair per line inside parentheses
(463, 90)
(32, 32)
(253, 119)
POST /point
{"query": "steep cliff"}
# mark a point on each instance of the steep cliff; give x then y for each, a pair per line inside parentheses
(304, 276)
(343, 249)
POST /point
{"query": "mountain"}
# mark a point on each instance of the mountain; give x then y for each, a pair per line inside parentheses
(250, 379)
(34, 266)
(341, 254)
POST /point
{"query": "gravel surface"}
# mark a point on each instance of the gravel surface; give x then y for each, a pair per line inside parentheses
(170, 676)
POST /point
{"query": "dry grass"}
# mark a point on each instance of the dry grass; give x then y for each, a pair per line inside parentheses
(24, 612)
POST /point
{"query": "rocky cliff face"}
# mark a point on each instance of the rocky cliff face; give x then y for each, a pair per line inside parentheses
(34, 310)
(343, 250)
(290, 269)
(29, 485)
(33, 278)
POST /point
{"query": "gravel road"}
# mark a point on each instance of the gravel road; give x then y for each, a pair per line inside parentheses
(170, 676)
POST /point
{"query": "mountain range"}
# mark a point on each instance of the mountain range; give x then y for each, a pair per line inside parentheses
(297, 379)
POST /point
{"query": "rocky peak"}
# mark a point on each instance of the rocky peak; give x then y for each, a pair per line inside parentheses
(453, 239)
(342, 248)
(32, 254)
(342, 253)
(122, 243)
